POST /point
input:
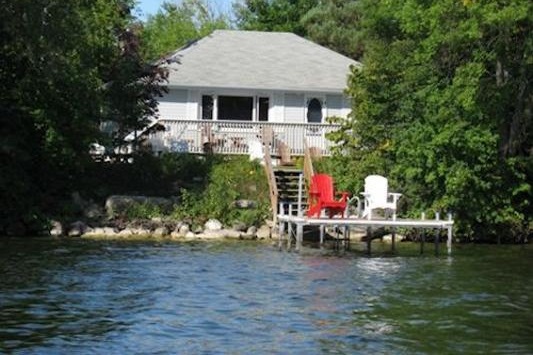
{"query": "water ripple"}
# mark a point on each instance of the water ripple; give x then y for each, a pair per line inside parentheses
(88, 297)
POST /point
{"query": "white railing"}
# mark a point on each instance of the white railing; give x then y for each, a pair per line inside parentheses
(237, 137)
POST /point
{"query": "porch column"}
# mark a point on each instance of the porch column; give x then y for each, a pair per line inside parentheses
(215, 107)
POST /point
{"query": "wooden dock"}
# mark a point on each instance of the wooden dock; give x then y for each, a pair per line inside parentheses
(295, 226)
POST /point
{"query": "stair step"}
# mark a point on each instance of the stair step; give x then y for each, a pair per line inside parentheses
(288, 182)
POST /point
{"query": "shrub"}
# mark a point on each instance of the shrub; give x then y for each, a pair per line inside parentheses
(231, 179)
(143, 211)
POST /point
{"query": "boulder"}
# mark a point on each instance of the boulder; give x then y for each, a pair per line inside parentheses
(140, 231)
(240, 226)
(77, 229)
(245, 204)
(176, 235)
(126, 232)
(190, 235)
(212, 225)
(248, 236)
(100, 232)
(232, 233)
(118, 204)
(263, 232)
(56, 229)
(161, 232)
(184, 229)
(251, 230)
(16, 228)
(93, 211)
(211, 234)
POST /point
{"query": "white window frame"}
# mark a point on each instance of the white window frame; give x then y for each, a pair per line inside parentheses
(237, 93)
(319, 97)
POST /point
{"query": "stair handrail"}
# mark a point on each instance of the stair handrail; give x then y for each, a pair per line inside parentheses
(269, 170)
(309, 170)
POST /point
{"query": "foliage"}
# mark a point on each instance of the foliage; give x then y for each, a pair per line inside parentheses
(443, 107)
(334, 24)
(230, 180)
(273, 15)
(65, 67)
(142, 211)
(147, 175)
(176, 25)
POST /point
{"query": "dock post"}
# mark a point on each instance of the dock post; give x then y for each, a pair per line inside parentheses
(369, 240)
(300, 194)
(422, 241)
(449, 241)
(299, 235)
(289, 236)
(437, 241)
(289, 226)
(393, 247)
(423, 235)
(322, 232)
(281, 225)
(337, 236)
(346, 237)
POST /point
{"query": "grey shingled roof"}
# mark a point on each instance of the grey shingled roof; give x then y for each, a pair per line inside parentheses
(259, 60)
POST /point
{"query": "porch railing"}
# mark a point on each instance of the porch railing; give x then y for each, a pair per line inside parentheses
(238, 137)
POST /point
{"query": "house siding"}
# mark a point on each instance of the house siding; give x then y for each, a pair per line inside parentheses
(277, 109)
(193, 106)
(334, 105)
(294, 108)
(174, 105)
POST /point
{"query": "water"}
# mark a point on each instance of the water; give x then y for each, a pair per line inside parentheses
(86, 297)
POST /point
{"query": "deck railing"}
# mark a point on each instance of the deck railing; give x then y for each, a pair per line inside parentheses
(238, 137)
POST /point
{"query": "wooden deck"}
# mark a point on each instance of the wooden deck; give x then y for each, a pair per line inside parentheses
(295, 225)
(236, 137)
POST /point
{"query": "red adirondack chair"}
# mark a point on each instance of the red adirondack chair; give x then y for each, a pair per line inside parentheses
(322, 197)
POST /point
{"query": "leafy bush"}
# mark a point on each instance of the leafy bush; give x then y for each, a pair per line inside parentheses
(148, 175)
(143, 211)
(441, 110)
(232, 179)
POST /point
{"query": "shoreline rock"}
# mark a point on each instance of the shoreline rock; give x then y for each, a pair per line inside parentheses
(110, 221)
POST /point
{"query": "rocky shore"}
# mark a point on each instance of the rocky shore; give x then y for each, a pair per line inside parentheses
(109, 222)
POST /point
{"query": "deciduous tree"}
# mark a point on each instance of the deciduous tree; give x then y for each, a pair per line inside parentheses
(65, 67)
(273, 15)
(442, 105)
(176, 25)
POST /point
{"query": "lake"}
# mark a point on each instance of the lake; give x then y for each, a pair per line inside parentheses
(115, 297)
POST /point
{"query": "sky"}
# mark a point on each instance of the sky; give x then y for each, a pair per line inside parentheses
(150, 7)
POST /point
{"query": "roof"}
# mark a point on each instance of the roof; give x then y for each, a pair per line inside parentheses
(259, 60)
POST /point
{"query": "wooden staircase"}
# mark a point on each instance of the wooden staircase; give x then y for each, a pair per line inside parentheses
(284, 180)
(287, 183)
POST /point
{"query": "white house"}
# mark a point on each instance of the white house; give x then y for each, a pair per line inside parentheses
(227, 87)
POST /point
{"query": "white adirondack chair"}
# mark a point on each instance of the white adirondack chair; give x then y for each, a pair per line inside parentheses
(377, 196)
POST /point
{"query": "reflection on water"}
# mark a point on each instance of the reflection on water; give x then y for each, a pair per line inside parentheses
(238, 297)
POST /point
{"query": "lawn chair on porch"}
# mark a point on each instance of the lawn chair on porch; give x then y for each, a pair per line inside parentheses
(377, 196)
(322, 197)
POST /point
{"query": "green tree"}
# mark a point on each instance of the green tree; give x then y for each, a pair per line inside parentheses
(60, 63)
(335, 24)
(176, 25)
(443, 107)
(273, 15)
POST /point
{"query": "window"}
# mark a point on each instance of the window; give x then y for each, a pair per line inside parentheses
(207, 107)
(263, 109)
(314, 111)
(235, 108)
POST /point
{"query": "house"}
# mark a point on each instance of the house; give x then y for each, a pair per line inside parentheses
(227, 87)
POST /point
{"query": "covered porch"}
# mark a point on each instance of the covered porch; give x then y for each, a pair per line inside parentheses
(238, 137)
